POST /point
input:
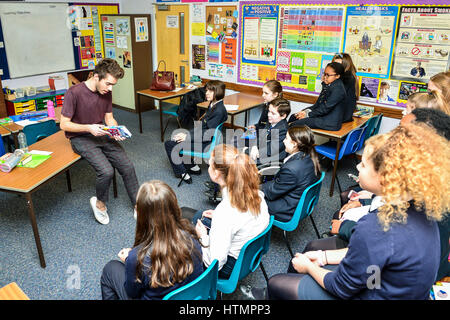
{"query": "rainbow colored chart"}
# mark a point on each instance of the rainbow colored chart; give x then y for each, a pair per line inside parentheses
(310, 28)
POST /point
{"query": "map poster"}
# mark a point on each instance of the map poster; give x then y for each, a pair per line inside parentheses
(369, 35)
(422, 46)
(259, 34)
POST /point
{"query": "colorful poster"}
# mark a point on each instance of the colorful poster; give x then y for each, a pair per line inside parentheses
(369, 36)
(141, 25)
(368, 89)
(388, 92)
(423, 45)
(229, 52)
(198, 56)
(307, 28)
(408, 88)
(259, 43)
(122, 27)
(213, 50)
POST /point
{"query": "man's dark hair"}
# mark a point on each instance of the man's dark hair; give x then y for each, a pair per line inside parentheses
(108, 66)
(435, 118)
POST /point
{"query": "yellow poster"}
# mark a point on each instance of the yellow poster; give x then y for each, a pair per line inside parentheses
(198, 29)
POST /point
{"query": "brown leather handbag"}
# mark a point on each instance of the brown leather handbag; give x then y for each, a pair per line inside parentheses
(163, 80)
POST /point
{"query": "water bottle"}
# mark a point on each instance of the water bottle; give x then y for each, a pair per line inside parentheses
(23, 142)
(50, 109)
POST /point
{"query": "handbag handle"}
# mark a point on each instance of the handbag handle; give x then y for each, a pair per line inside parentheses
(164, 65)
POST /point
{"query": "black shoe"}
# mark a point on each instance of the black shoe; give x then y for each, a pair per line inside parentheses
(196, 173)
(215, 199)
(187, 180)
(253, 293)
(210, 184)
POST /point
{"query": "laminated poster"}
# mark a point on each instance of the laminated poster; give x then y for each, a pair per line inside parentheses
(141, 26)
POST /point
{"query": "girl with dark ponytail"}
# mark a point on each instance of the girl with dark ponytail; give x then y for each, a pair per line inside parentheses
(300, 169)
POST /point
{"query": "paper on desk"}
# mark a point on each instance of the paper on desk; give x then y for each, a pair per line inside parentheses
(25, 122)
(176, 89)
(45, 153)
(232, 107)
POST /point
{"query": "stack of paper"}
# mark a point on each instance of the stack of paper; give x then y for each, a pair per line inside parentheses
(232, 107)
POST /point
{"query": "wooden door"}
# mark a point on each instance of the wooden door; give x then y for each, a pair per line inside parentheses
(172, 39)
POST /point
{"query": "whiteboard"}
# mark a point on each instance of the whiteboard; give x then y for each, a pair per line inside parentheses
(37, 38)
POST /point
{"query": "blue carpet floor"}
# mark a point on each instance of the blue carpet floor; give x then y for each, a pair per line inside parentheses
(76, 246)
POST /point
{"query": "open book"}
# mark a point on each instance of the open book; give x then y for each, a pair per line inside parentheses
(120, 131)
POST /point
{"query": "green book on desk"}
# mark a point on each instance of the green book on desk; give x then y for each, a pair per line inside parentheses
(36, 159)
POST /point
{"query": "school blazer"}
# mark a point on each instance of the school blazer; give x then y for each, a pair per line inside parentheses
(264, 118)
(265, 144)
(329, 108)
(350, 102)
(211, 120)
(283, 193)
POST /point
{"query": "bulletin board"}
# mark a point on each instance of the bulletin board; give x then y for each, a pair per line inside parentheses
(214, 33)
(87, 32)
(395, 47)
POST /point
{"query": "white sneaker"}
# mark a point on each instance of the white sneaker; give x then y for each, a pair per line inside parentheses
(100, 216)
(135, 214)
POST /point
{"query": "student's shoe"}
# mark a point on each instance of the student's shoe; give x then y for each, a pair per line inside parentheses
(187, 178)
(100, 216)
(209, 184)
(253, 293)
(196, 170)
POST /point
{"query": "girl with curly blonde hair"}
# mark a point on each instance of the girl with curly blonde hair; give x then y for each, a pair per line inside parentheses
(394, 252)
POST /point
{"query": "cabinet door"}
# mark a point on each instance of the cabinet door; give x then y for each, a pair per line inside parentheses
(118, 43)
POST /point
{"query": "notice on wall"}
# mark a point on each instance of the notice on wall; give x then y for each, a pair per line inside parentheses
(422, 46)
(141, 26)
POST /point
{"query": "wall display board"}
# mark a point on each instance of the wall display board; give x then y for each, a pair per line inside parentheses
(396, 48)
(87, 32)
(214, 41)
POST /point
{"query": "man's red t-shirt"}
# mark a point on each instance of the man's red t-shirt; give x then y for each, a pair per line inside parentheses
(83, 106)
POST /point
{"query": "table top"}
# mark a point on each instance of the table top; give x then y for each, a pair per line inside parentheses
(345, 129)
(162, 95)
(26, 179)
(245, 101)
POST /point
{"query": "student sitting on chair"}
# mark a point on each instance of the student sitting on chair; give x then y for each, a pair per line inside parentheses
(87, 106)
(351, 85)
(299, 170)
(166, 254)
(270, 138)
(272, 89)
(328, 111)
(239, 217)
(214, 116)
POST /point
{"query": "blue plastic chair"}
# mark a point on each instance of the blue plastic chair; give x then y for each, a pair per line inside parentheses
(202, 288)
(172, 111)
(205, 154)
(249, 259)
(304, 209)
(2, 147)
(377, 128)
(37, 131)
(369, 129)
(350, 146)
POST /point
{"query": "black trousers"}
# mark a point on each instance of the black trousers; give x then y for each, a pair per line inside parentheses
(180, 164)
(112, 281)
(104, 154)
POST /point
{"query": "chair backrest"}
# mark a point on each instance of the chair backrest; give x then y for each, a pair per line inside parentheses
(370, 125)
(351, 143)
(202, 288)
(215, 141)
(2, 147)
(378, 125)
(305, 205)
(37, 131)
(248, 260)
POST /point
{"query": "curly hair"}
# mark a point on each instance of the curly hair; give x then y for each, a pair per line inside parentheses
(413, 163)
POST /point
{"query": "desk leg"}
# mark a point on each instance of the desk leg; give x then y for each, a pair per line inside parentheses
(161, 121)
(69, 183)
(139, 111)
(336, 157)
(246, 119)
(35, 229)
(232, 121)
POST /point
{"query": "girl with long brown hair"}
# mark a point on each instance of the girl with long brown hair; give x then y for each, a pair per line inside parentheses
(240, 216)
(166, 253)
(351, 84)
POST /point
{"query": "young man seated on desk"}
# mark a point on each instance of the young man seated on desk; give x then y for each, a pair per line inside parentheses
(87, 107)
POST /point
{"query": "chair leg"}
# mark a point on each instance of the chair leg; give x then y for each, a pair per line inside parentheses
(182, 178)
(315, 227)
(69, 184)
(287, 243)
(339, 185)
(264, 271)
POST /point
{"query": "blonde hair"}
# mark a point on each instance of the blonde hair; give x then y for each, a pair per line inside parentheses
(424, 100)
(442, 81)
(413, 163)
(241, 177)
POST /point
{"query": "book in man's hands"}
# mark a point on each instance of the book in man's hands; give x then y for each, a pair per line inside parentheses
(120, 131)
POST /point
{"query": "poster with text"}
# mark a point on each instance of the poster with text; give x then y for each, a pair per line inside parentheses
(369, 36)
(198, 56)
(422, 46)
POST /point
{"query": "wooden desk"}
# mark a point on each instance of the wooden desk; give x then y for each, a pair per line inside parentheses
(12, 292)
(245, 101)
(339, 136)
(27, 180)
(160, 96)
